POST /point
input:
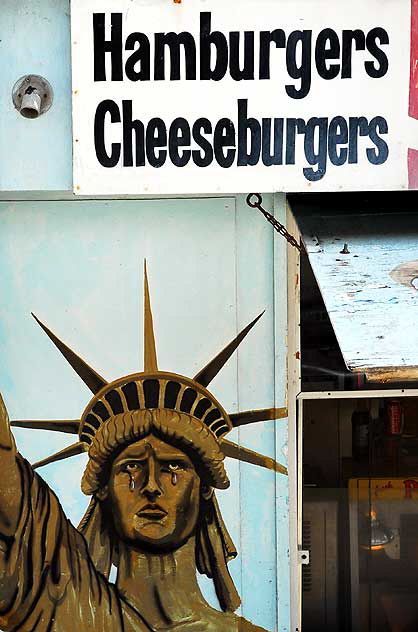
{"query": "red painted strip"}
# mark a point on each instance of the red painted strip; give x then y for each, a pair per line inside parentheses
(413, 94)
(413, 168)
(413, 84)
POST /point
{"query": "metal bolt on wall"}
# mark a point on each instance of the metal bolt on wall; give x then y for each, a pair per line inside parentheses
(32, 96)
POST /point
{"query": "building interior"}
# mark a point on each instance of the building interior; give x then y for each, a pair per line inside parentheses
(360, 487)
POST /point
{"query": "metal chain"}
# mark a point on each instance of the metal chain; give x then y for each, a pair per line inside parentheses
(273, 221)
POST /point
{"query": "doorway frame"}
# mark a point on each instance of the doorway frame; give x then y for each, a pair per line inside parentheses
(296, 398)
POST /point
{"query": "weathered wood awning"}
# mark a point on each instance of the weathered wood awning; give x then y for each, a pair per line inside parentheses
(366, 266)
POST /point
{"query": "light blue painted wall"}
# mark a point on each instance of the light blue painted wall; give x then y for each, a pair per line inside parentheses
(35, 38)
(78, 266)
(213, 263)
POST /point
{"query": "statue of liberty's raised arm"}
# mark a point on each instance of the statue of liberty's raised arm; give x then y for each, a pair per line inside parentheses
(156, 446)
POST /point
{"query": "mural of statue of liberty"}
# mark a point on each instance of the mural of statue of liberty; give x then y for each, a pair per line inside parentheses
(156, 445)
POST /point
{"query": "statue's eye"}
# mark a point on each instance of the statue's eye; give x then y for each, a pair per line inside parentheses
(171, 467)
(132, 467)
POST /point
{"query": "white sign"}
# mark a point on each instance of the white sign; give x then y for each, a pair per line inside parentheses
(215, 96)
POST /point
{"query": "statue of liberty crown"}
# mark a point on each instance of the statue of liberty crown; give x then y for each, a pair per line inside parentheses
(153, 389)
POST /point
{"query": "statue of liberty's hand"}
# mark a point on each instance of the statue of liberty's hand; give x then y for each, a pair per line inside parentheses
(7, 441)
(10, 480)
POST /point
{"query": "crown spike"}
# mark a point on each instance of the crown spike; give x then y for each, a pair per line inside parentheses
(235, 451)
(71, 450)
(89, 376)
(70, 426)
(206, 375)
(252, 416)
(150, 353)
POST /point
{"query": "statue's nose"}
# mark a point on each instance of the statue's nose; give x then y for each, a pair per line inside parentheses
(152, 494)
(151, 488)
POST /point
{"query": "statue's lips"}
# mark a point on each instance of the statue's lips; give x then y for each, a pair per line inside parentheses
(152, 512)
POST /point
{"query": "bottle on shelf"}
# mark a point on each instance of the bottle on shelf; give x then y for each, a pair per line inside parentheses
(394, 419)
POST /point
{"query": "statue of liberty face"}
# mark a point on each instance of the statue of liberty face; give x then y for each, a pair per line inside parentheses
(154, 495)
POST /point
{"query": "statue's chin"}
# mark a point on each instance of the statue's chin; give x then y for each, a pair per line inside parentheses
(152, 534)
(155, 539)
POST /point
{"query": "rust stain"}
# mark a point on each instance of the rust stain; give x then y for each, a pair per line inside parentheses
(297, 355)
(405, 274)
(391, 374)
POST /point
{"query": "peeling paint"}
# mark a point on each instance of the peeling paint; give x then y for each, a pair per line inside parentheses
(371, 297)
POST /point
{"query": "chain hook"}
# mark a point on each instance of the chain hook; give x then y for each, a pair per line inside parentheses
(257, 203)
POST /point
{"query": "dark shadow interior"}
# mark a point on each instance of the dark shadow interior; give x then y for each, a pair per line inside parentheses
(360, 484)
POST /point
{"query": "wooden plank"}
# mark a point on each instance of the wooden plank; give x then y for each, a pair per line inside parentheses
(294, 437)
(261, 366)
(364, 266)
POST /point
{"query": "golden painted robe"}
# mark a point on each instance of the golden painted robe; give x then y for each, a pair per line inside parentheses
(48, 582)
